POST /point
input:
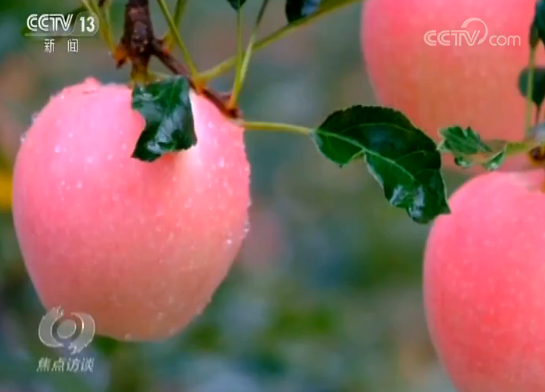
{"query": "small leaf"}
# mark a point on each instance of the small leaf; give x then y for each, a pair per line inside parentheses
(538, 24)
(300, 9)
(26, 31)
(538, 90)
(236, 4)
(166, 108)
(470, 150)
(402, 158)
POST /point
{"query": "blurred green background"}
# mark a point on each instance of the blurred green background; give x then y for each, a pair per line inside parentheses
(326, 293)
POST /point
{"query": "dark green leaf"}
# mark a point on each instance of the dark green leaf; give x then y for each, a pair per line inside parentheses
(169, 119)
(105, 345)
(236, 4)
(534, 36)
(538, 89)
(402, 158)
(300, 9)
(538, 24)
(469, 149)
(74, 12)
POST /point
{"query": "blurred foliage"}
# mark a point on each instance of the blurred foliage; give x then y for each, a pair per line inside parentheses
(326, 292)
(5, 191)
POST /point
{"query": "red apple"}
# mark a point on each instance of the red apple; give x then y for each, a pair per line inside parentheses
(484, 284)
(462, 84)
(140, 247)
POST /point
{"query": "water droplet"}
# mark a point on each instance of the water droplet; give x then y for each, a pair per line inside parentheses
(210, 125)
(160, 316)
(128, 336)
(57, 149)
(115, 197)
(70, 135)
(23, 137)
(221, 162)
(124, 146)
(79, 185)
(34, 116)
(89, 160)
(110, 157)
(229, 242)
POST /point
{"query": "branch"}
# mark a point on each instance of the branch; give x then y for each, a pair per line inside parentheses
(139, 44)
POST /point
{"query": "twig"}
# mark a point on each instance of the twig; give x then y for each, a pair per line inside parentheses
(177, 68)
(137, 35)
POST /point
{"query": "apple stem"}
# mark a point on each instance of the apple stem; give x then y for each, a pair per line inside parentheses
(179, 11)
(240, 51)
(102, 11)
(529, 90)
(185, 53)
(229, 63)
(243, 67)
(270, 126)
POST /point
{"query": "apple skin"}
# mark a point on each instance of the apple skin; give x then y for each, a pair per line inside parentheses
(484, 282)
(141, 247)
(440, 86)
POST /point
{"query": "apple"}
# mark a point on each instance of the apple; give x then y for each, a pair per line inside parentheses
(465, 83)
(484, 284)
(140, 247)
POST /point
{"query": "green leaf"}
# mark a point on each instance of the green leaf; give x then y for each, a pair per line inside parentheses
(300, 9)
(105, 345)
(236, 4)
(75, 12)
(402, 158)
(470, 150)
(166, 108)
(538, 90)
(538, 24)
